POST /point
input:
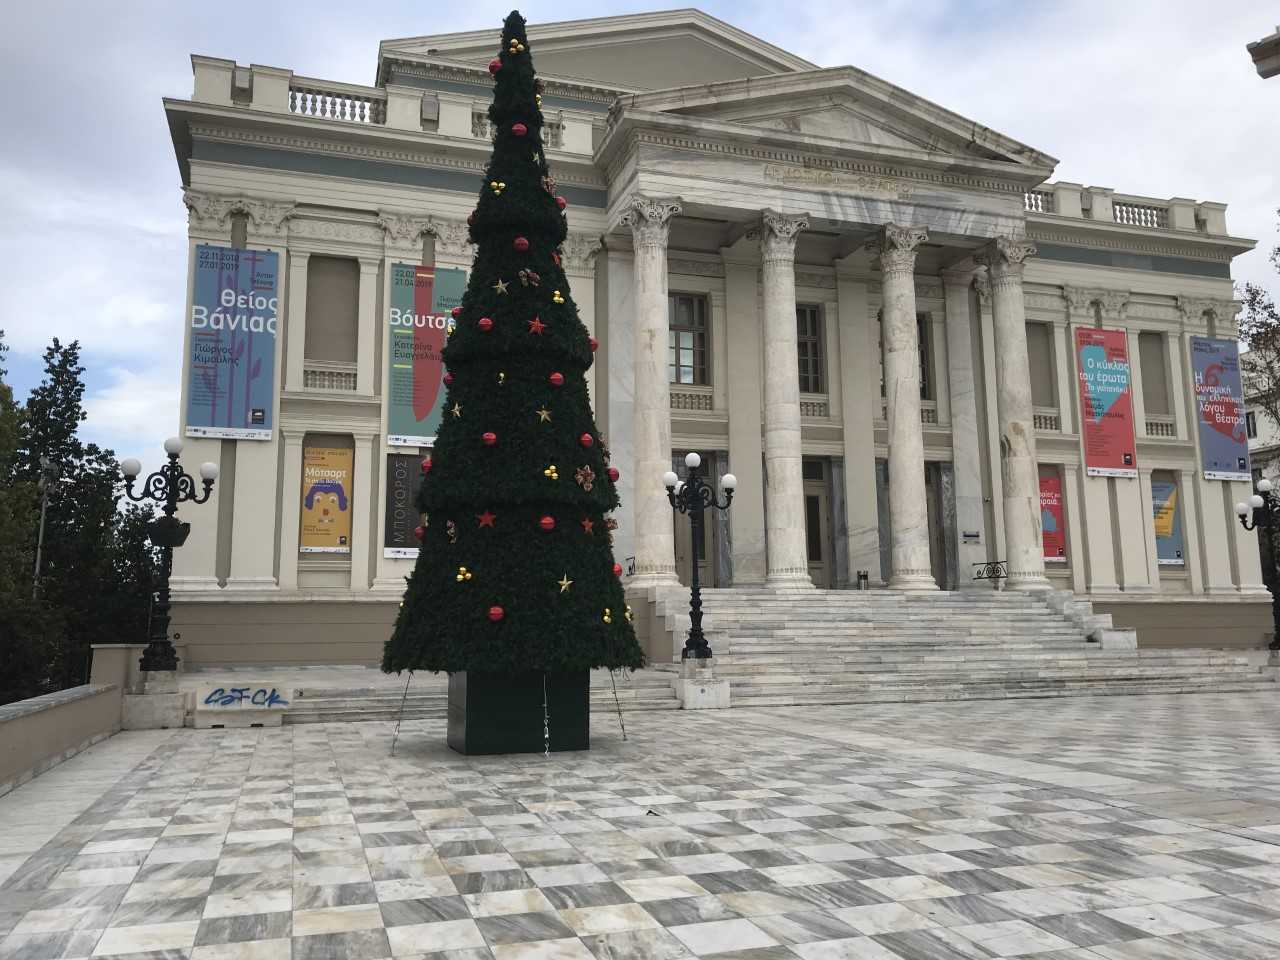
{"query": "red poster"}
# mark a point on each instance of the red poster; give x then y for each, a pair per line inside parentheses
(1053, 529)
(1106, 402)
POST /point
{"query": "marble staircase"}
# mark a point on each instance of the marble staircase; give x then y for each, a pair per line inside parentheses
(884, 646)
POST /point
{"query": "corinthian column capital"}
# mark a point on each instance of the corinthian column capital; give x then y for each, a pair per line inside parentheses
(1004, 257)
(896, 248)
(650, 219)
(778, 235)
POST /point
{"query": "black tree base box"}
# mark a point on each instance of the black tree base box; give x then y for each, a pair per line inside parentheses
(503, 712)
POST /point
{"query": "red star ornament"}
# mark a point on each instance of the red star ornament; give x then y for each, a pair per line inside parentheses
(486, 519)
(587, 524)
(536, 326)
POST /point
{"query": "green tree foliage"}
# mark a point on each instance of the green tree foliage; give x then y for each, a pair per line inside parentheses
(516, 571)
(96, 565)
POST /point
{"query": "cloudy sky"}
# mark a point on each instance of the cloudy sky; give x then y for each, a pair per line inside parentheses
(1155, 97)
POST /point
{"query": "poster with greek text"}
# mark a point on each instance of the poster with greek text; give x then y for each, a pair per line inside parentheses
(404, 478)
(1224, 444)
(1106, 402)
(326, 499)
(1052, 528)
(232, 354)
(418, 321)
(1167, 516)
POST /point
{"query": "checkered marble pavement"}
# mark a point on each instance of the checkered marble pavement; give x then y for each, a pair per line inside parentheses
(1115, 828)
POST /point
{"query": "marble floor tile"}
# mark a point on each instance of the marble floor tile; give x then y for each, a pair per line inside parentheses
(720, 936)
(147, 937)
(589, 921)
(434, 937)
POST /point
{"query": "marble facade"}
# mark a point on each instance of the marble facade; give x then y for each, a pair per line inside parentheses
(699, 160)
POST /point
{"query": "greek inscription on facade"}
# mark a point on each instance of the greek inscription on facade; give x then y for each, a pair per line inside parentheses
(864, 183)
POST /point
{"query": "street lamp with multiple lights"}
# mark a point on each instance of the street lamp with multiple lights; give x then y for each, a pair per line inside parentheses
(1265, 509)
(694, 496)
(170, 486)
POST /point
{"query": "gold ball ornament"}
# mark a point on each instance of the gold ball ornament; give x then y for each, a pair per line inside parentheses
(551, 473)
(556, 297)
(608, 615)
(627, 613)
(462, 575)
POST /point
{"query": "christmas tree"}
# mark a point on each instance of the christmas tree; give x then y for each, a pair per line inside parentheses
(516, 572)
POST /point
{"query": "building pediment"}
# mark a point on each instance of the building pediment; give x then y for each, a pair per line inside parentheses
(847, 105)
(647, 51)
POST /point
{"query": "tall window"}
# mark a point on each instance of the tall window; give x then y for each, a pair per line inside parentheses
(333, 307)
(813, 360)
(1155, 379)
(1251, 425)
(926, 357)
(687, 339)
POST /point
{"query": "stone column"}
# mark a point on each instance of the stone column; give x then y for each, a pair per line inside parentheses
(365, 531)
(860, 400)
(908, 517)
(742, 390)
(649, 219)
(295, 330)
(290, 507)
(965, 449)
(367, 326)
(1020, 486)
(787, 558)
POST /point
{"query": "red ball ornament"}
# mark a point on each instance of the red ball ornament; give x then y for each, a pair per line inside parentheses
(617, 569)
(561, 202)
(485, 324)
(448, 379)
(547, 523)
(489, 438)
(496, 613)
(456, 312)
(426, 464)
(556, 379)
(519, 129)
(419, 532)
(614, 474)
(521, 244)
(495, 65)
(586, 440)
(471, 219)
(595, 344)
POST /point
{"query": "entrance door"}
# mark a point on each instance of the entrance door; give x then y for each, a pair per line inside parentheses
(684, 531)
(817, 522)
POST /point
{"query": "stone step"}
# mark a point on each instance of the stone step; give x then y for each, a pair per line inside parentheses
(992, 690)
(959, 666)
(742, 684)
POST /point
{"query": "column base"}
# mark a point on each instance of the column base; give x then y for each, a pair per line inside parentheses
(1027, 583)
(912, 581)
(785, 581)
(252, 583)
(643, 581)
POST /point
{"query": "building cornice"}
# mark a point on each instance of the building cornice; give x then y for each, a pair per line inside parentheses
(448, 154)
(807, 153)
(1099, 234)
(393, 68)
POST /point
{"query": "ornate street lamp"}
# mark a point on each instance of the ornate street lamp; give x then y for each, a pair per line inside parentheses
(170, 485)
(693, 496)
(1265, 507)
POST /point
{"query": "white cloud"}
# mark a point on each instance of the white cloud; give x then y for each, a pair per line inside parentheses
(134, 411)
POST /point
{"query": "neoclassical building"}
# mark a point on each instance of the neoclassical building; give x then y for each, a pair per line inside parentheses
(868, 308)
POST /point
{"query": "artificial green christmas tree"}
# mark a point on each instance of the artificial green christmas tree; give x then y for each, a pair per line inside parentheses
(516, 589)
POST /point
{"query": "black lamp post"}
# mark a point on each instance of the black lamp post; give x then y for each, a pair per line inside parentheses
(694, 496)
(170, 486)
(1265, 507)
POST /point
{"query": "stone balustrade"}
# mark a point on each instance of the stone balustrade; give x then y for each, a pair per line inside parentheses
(337, 101)
(1161, 426)
(1104, 204)
(329, 375)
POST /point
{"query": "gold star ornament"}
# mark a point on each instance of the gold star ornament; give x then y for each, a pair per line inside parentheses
(565, 583)
(544, 415)
(457, 410)
(500, 286)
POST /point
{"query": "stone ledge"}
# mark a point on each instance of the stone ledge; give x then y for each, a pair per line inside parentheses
(48, 701)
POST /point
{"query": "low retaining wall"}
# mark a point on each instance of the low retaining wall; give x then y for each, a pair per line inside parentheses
(40, 733)
(1166, 622)
(283, 633)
